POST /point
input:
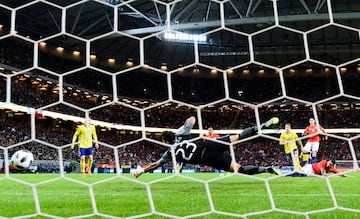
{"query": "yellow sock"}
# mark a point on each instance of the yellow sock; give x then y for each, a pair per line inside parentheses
(297, 164)
(82, 165)
(305, 157)
(179, 166)
(90, 162)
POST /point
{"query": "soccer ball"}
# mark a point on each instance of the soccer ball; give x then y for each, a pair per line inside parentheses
(22, 159)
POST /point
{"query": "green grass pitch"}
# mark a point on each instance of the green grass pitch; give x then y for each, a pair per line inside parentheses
(172, 196)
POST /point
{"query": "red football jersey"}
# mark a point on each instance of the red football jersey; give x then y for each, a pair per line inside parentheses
(313, 132)
(322, 165)
(212, 136)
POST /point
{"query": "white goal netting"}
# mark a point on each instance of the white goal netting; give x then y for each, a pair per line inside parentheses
(136, 68)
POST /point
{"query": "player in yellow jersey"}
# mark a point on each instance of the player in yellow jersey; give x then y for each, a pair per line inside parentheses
(85, 134)
(289, 139)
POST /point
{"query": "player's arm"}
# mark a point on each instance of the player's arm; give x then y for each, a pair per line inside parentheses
(165, 158)
(299, 142)
(148, 168)
(94, 136)
(188, 125)
(336, 171)
(343, 175)
(305, 132)
(322, 129)
(323, 172)
(282, 143)
(76, 134)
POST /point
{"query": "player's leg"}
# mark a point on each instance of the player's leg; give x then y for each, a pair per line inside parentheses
(308, 170)
(82, 165)
(311, 148)
(315, 149)
(223, 161)
(307, 147)
(82, 160)
(179, 166)
(250, 131)
(251, 169)
(270, 122)
(90, 160)
(295, 160)
(314, 157)
(289, 159)
(304, 158)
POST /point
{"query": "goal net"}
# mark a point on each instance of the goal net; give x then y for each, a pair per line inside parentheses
(136, 68)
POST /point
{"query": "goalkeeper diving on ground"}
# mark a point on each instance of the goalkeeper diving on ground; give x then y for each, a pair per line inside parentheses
(210, 153)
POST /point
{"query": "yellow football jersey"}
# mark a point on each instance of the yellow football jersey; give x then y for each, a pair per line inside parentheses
(290, 139)
(85, 136)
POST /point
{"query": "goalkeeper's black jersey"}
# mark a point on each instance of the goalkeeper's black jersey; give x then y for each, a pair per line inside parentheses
(186, 151)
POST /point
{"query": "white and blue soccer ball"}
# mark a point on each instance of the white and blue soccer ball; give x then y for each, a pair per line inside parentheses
(22, 159)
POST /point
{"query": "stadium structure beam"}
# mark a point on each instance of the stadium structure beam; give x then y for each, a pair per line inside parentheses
(235, 9)
(252, 8)
(208, 11)
(91, 26)
(188, 7)
(158, 13)
(77, 18)
(231, 22)
(319, 5)
(305, 6)
(137, 12)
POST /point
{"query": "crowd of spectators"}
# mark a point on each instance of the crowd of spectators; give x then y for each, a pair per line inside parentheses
(226, 115)
(16, 53)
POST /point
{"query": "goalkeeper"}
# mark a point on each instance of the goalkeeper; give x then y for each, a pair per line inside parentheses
(85, 135)
(206, 152)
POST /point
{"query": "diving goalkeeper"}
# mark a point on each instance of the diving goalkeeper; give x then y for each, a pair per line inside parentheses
(210, 153)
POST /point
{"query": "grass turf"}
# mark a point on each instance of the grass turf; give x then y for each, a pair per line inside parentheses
(169, 195)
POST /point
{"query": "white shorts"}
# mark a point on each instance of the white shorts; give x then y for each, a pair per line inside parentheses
(308, 170)
(312, 146)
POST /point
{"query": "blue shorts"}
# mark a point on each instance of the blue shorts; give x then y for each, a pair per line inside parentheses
(86, 151)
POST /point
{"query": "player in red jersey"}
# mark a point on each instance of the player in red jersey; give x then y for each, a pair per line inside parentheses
(321, 168)
(211, 134)
(313, 142)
